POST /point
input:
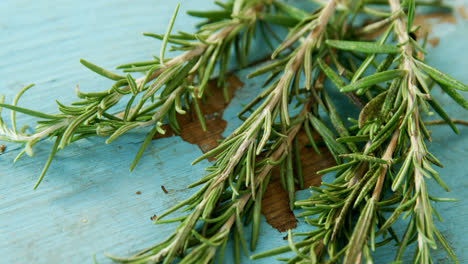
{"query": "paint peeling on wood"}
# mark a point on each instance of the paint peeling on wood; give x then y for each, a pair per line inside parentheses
(427, 22)
(462, 11)
(275, 203)
(213, 108)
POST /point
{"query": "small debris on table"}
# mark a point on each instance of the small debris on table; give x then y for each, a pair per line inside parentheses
(164, 189)
(434, 41)
(138, 192)
(154, 218)
(2, 148)
(461, 10)
(85, 220)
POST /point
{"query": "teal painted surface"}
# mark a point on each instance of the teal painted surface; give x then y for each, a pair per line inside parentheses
(41, 42)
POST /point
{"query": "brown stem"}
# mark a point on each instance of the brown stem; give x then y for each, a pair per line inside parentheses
(388, 157)
(443, 122)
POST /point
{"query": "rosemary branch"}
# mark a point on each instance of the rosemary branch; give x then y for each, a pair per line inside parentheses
(423, 210)
(244, 159)
(183, 77)
(206, 251)
(348, 209)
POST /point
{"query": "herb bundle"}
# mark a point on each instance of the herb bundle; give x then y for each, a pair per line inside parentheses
(382, 159)
(234, 186)
(387, 178)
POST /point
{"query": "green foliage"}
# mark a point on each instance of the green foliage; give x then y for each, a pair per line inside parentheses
(347, 214)
(382, 159)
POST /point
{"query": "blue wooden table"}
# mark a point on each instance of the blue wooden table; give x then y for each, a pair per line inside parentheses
(88, 203)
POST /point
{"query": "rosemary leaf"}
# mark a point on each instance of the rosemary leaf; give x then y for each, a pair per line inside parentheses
(360, 46)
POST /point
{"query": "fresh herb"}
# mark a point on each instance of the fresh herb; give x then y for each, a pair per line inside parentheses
(382, 159)
(234, 186)
(170, 86)
(389, 175)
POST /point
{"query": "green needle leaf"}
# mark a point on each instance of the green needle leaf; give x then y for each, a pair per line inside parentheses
(168, 32)
(331, 74)
(411, 11)
(359, 236)
(291, 11)
(28, 111)
(441, 77)
(293, 247)
(49, 160)
(281, 20)
(455, 95)
(373, 79)
(72, 127)
(337, 167)
(122, 130)
(256, 221)
(143, 146)
(327, 135)
(279, 250)
(446, 246)
(361, 46)
(15, 101)
(362, 157)
(101, 71)
(372, 109)
(132, 84)
(347, 139)
(214, 15)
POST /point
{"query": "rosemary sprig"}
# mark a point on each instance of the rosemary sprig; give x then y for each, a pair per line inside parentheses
(229, 195)
(235, 184)
(170, 85)
(418, 161)
(349, 209)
